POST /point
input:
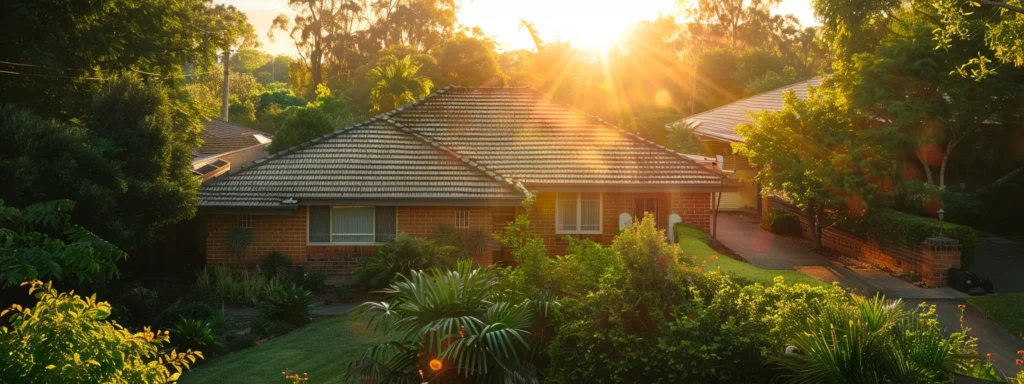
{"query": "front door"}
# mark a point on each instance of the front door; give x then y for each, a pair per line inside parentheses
(644, 206)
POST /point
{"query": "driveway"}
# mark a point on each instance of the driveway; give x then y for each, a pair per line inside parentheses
(770, 251)
(1000, 260)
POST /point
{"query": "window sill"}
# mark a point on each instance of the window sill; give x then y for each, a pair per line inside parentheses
(579, 232)
(345, 244)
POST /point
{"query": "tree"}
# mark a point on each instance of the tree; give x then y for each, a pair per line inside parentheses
(421, 24)
(396, 83)
(814, 153)
(317, 26)
(324, 115)
(469, 61)
(734, 22)
(919, 105)
(66, 338)
(1002, 22)
(39, 242)
(249, 60)
(65, 50)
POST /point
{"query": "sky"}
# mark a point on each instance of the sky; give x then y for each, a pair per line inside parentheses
(586, 23)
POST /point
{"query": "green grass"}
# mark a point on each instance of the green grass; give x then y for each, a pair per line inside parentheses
(322, 349)
(692, 243)
(1007, 309)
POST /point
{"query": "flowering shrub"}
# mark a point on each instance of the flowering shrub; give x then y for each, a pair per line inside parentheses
(66, 338)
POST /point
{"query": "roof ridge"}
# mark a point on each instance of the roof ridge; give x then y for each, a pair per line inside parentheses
(468, 161)
(746, 98)
(631, 135)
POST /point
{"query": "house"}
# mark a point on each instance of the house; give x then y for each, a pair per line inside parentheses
(715, 127)
(462, 158)
(226, 145)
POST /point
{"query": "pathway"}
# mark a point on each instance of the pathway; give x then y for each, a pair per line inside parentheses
(770, 251)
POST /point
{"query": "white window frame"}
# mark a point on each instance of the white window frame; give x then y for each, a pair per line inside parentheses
(332, 233)
(462, 220)
(579, 216)
(244, 221)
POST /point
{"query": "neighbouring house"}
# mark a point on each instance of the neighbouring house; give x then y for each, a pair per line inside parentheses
(461, 158)
(715, 127)
(227, 145)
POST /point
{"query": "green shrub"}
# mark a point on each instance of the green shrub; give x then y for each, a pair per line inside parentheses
(66, 338)
(891, 226)
(403, 254)
(458, 317)
(239, 342)
(466, 244)
(242, 288)
(136, 306)
(686, 231)
(194, 334)
(276, 264)
(314, 281)
(872, 340)
(289, 303)
(781, 221)
(345, 293)
(192, 310)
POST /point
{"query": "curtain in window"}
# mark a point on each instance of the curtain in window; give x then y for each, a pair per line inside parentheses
(566, 209)
(590, 212)
(386, 224)
(319, 224)
(352, 225)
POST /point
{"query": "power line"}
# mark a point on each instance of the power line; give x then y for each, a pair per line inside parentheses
(157, 75)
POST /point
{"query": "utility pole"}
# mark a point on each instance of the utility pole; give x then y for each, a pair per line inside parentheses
(227, 73)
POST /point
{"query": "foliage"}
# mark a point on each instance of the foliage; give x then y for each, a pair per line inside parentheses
(324, 115)
(194, 334)
(468, 61)
(67, 338)
(681, 138)
(295, 378)
(1001, 206)
(264, 327)
(276, 264)
(105, 38)
(685, 231)
(192, 310)
(136, 306)
(287, 302)
(891, 226)
(241, 287)
(450, 325)
(39, 241)
(781, 221)
(403, 254)
(467, 243)
(239, 239)
(314, 281)
(396, 83)
(872, 340)
(1001, 22)
(814, 155)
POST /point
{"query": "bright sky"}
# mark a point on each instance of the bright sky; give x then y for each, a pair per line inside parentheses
(586, 23)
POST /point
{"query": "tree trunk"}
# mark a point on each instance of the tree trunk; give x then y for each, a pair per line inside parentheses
(927, 169)
(814, 216)
(227, 85)
(945, 157)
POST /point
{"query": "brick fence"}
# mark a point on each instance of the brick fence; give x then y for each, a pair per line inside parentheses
(932, 262)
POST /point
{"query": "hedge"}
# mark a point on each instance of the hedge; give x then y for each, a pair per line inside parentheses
(781, 222)
(895, 227)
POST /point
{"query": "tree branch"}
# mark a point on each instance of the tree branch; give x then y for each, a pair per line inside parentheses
(1002, 4)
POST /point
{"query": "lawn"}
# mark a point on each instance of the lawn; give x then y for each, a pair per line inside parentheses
(322, 349)
(1007, 309)
(695, 246)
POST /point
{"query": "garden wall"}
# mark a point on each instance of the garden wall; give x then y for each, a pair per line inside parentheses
(933, 265)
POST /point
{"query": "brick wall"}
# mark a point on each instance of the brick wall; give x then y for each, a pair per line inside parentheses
(932, 265)
(287, 233)
(693, 208)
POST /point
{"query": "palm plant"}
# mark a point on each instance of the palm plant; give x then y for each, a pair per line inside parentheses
(449, 328)
(878, 341)
(395, 83)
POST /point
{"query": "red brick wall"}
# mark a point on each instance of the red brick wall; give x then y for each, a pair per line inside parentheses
(287, 233)
(932, 265)
(694, 208)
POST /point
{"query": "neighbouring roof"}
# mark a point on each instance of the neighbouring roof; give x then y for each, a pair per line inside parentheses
(718, 123)
(220, 137)
(459, 143)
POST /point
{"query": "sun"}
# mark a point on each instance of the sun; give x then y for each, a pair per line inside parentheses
(595, 28)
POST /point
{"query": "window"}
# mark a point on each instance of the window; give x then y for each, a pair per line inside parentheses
(643, 206)
(351, 225)
(245, 221)
(578, 213)
(461, 218)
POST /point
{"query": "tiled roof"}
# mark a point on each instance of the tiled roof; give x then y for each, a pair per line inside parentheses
(524, 135)
(460, 143)
(718, 123)
(220, 136)
(369, 161)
